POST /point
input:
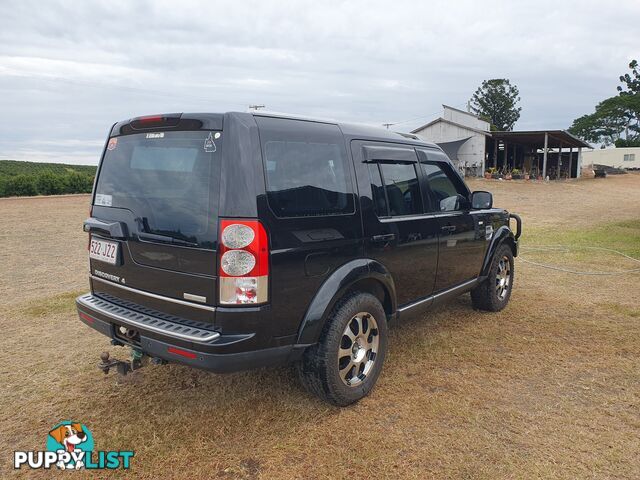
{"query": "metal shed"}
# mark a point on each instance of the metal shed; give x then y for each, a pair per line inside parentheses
(553, 153)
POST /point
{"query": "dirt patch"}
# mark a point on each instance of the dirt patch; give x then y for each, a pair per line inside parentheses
(42, 246)
(547, 388)
(567, 204)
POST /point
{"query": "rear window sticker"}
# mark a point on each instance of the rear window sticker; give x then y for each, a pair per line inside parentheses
(155, 135)
(209, 146)
(103, 200)
(217, 135)
(113, 142)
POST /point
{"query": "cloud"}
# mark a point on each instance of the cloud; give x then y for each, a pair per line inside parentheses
(68, 70)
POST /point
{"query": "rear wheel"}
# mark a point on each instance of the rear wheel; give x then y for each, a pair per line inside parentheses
(343, 367)
(493, 294)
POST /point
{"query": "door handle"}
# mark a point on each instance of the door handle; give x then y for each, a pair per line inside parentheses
(448, 228)
(389, 237)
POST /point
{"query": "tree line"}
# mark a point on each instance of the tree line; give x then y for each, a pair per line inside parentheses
(31, 178)
(616, 120)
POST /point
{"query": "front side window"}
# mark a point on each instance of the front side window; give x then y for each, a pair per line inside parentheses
(448, 194)
(306, 168)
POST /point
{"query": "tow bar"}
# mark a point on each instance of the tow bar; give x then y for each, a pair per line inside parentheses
(122, 366)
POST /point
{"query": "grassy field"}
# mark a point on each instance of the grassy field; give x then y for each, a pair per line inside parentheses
(547, 388)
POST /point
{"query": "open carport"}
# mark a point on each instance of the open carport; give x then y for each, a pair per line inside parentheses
(541, 153)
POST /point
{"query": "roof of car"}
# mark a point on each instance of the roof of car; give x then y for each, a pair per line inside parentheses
(355, 130)
(350, 130)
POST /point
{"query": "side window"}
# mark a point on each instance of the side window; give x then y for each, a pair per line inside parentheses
(377, 191)
(448, 193)
(306, 167)
(401, 187)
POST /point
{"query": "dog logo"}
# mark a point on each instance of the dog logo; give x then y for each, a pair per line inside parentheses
(72, 438)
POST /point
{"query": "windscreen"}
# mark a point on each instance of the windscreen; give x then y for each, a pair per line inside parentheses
(168, 180)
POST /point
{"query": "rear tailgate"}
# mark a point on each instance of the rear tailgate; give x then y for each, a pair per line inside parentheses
(154, 223)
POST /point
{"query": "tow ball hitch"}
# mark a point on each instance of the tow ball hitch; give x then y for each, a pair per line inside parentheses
(122, 366)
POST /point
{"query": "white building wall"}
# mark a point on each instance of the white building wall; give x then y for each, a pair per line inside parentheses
(464, 118)
(472, 152)
(611, 157)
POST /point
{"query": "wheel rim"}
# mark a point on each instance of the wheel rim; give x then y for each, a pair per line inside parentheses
(503, 277)
(358, 349)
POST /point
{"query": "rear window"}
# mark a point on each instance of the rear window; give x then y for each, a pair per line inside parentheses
(306, 167)
(168, 181)
(167, 159)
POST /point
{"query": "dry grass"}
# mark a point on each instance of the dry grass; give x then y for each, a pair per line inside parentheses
(547, 388)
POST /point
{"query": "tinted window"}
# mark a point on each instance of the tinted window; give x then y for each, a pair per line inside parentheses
(402, 188)
(377, 191)
(168, 182)
(445, 188)
(166, 159)
(306, 168)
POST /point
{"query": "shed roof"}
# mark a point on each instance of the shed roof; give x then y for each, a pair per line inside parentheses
(536, 138)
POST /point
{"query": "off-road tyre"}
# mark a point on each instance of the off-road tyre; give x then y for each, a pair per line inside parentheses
(319, 371)
(489, 296)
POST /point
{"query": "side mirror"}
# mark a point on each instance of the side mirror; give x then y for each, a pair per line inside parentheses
(481, 200)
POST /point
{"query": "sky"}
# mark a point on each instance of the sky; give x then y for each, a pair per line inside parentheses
(69, 70)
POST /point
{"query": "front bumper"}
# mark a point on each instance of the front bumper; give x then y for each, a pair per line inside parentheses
(177, 340)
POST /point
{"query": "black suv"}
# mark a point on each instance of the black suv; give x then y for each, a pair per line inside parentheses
(239, 240)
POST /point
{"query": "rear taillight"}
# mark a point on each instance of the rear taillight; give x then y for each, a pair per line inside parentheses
(244, 262)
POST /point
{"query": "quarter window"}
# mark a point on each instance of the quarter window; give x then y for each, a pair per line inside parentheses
(306, 167)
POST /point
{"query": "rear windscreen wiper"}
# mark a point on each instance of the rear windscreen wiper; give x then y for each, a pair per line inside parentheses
(152, 237)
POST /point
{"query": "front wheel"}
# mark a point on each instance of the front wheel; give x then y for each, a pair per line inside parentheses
(345, 364)
(493, 293)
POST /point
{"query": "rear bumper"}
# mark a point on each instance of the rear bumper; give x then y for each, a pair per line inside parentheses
(176, 340)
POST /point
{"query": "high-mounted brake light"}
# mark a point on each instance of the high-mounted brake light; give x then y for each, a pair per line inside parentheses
(156, 121)
(244, 262)
(150, 119)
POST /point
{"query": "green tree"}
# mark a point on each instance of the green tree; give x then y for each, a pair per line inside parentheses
(616, 120)
(49, 183)
(612, 118)
(76, 182)
(496, 100)
(21, 185)
(632, 80)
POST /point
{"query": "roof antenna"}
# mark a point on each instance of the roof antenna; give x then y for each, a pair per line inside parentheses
(256, 107)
